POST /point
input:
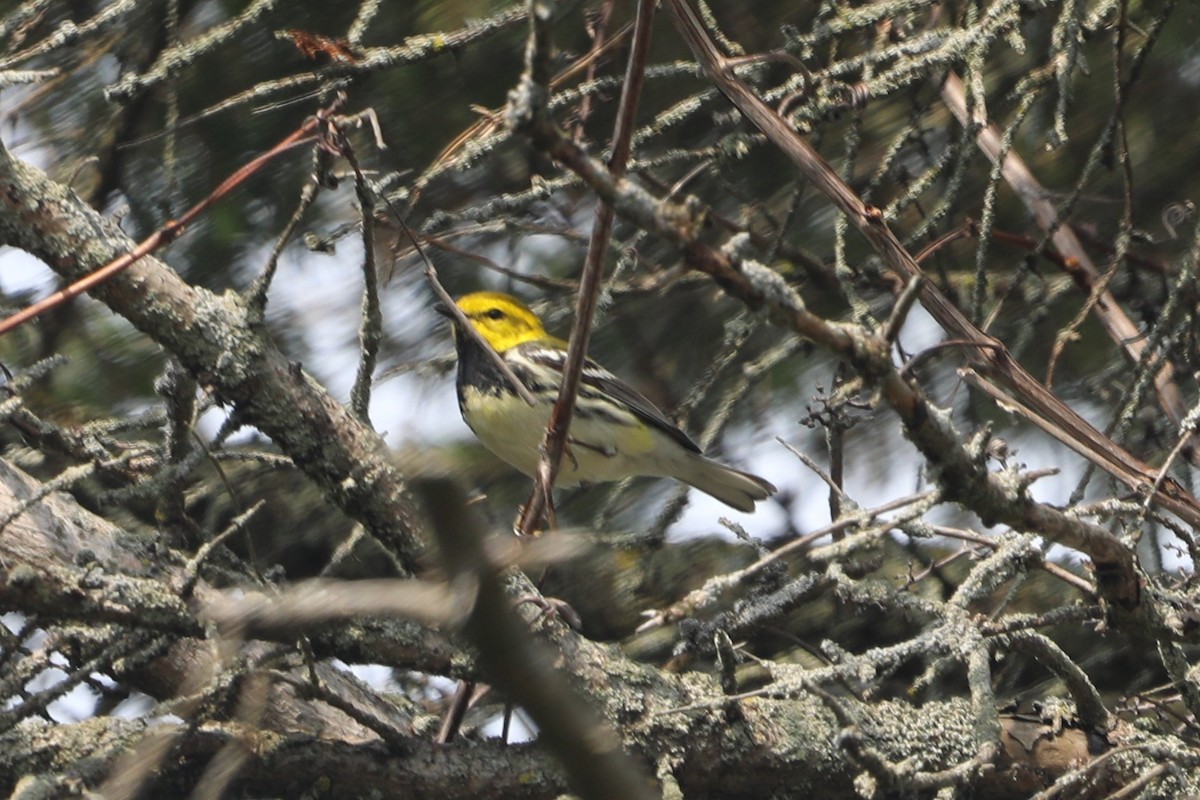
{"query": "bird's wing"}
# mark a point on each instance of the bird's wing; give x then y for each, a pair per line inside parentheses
(599, 379)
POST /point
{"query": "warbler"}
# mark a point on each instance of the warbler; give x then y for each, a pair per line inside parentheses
(615, 432)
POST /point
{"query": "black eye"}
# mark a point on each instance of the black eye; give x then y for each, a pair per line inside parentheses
(494, 313)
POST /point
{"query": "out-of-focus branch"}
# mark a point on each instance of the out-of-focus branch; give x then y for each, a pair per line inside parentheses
(590, 751)
(316, 603)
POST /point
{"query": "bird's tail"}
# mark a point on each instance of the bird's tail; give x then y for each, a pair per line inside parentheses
(732, 487)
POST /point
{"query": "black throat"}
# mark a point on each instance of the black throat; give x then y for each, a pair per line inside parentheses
(476, 368)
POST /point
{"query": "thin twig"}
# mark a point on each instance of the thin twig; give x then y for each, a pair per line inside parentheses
(173, 228)
(371, 327)
(593, 269)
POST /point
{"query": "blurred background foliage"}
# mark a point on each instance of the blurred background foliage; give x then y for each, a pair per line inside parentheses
(493, 213)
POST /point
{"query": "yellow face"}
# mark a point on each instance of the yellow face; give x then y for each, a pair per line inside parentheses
(501, 319)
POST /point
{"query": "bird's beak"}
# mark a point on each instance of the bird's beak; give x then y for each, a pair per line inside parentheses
(444, 310)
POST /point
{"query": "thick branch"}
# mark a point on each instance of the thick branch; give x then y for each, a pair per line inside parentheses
(212, 338)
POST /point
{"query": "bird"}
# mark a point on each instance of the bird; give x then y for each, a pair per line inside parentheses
(615, 432)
